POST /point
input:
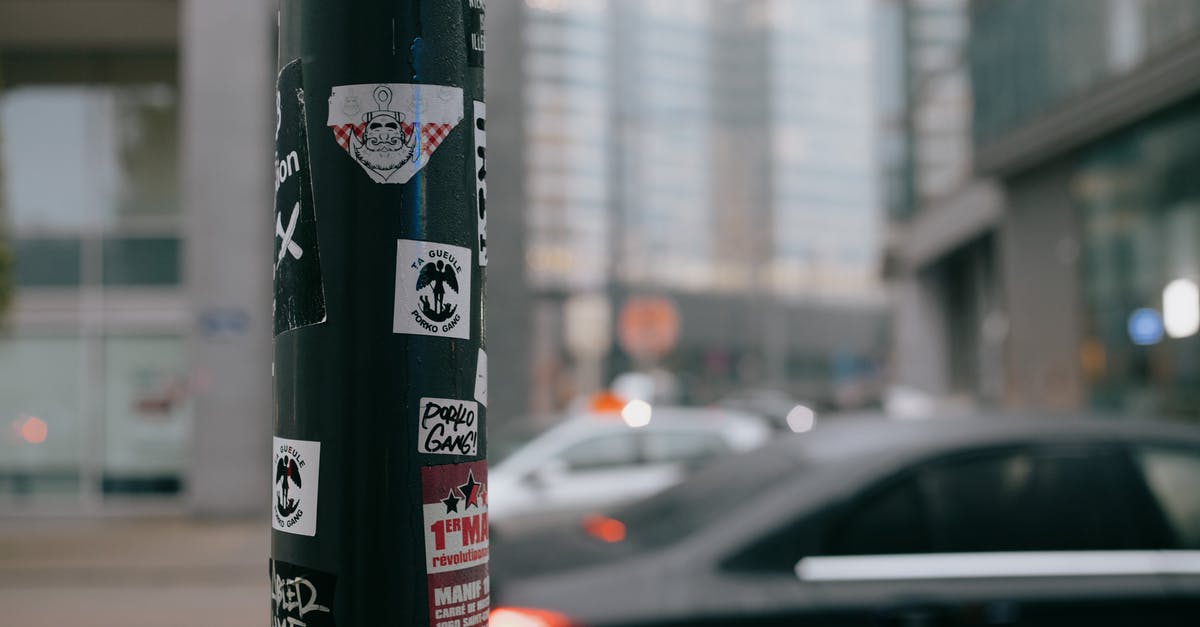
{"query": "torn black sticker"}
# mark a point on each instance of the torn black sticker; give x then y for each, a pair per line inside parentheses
(299, 293)
(301, 596)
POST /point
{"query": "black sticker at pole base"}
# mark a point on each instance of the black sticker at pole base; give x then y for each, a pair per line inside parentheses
(476, 42)
(299, 293)
(301, 596)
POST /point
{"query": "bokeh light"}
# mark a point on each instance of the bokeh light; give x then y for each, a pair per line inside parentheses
(33, 429)
(801, 419)
(636, 413)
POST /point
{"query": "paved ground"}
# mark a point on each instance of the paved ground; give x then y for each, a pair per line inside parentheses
(143, 573)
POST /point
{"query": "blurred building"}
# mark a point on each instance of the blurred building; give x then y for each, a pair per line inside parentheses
(135, 355)
(717, 153)
(1043, 203)
(134, 184)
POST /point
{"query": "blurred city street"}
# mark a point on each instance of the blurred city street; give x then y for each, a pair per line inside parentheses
(133, 573)
(799, 312)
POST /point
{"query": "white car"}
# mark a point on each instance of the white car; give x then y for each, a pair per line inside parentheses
(593, 461)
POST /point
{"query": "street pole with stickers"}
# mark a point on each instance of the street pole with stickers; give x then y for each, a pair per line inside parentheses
(378, 461)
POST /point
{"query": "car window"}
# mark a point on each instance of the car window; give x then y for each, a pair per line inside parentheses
(1013, 500)
(888, 522)
(1063, 499)
(600, 452)
(1173, 475)
(684, 446)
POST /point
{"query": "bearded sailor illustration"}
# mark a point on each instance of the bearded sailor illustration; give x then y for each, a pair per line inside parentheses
(385, 145)
(439, 274)
(392, 129)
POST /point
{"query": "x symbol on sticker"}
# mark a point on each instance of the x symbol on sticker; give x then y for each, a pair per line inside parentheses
(288, 246)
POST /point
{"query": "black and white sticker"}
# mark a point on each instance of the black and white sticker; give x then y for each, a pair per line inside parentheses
(299, 294)
(433, 289)
(476, 41)
(296, 475)
(448, 427)
(481, 178)
(301, 597)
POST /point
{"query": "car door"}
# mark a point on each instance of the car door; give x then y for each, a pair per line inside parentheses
(592, 472)
(1050, 535)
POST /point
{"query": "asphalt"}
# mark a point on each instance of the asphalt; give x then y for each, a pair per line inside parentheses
(171, 572)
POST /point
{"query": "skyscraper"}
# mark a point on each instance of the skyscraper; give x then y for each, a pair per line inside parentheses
(716, 151)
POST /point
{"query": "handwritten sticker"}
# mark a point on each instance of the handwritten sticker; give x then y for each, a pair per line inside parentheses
(448, 427)
(392, 129)
(296, 475)
(481, 378)
(433, 289)
(299, 293)
(456, 543)
(481, 178)
(301, 596)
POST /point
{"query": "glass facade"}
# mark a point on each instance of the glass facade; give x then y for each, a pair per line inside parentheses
(1139, 206)
(93, 364)
(568, 134)
(1028, 55)
(706, 147)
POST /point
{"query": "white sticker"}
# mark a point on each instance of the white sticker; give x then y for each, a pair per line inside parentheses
(392, 129)
(296, 474)
(481, 178)
(448, 427)
(481, 378)
(433, 289)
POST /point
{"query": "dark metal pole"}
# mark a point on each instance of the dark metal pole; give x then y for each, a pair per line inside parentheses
(379, 505)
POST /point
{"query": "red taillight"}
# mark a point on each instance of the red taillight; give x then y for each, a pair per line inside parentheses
(604, 528)
(527, 617)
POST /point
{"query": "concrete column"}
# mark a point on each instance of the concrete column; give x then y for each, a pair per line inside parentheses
(228, 86)
(1041, 276)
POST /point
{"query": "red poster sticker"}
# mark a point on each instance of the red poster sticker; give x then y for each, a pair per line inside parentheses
(456, 543)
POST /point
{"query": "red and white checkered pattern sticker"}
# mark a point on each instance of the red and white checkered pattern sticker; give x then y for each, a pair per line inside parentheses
(386, 153)
(431, 134)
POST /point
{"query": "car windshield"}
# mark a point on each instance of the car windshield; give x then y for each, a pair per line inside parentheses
(688, 507)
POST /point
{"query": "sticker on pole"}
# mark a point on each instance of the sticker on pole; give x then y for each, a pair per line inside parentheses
(392, 129)
(454, 498)
(448, 427)
(299, 294)
(295, 477)
(301, 596)
(481, 378)
(476, 39)
(480, 115)
(433, 289)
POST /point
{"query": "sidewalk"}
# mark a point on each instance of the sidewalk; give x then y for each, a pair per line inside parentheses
(134, 573)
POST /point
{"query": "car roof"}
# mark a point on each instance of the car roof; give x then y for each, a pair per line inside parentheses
(861, 437)
(741, 430)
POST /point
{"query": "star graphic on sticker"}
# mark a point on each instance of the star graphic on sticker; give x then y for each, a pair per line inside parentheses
(470, 490)
(451, 502)
(483, 495)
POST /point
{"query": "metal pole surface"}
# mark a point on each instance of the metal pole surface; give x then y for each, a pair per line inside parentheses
(379, 504)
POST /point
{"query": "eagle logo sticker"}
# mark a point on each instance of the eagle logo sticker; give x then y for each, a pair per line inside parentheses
(433, 289)
(392, 129)
(295, 481)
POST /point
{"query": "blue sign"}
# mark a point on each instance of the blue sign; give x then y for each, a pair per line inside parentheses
(1145, 327)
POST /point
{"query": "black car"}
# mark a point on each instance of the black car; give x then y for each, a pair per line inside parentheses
(984, 521)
